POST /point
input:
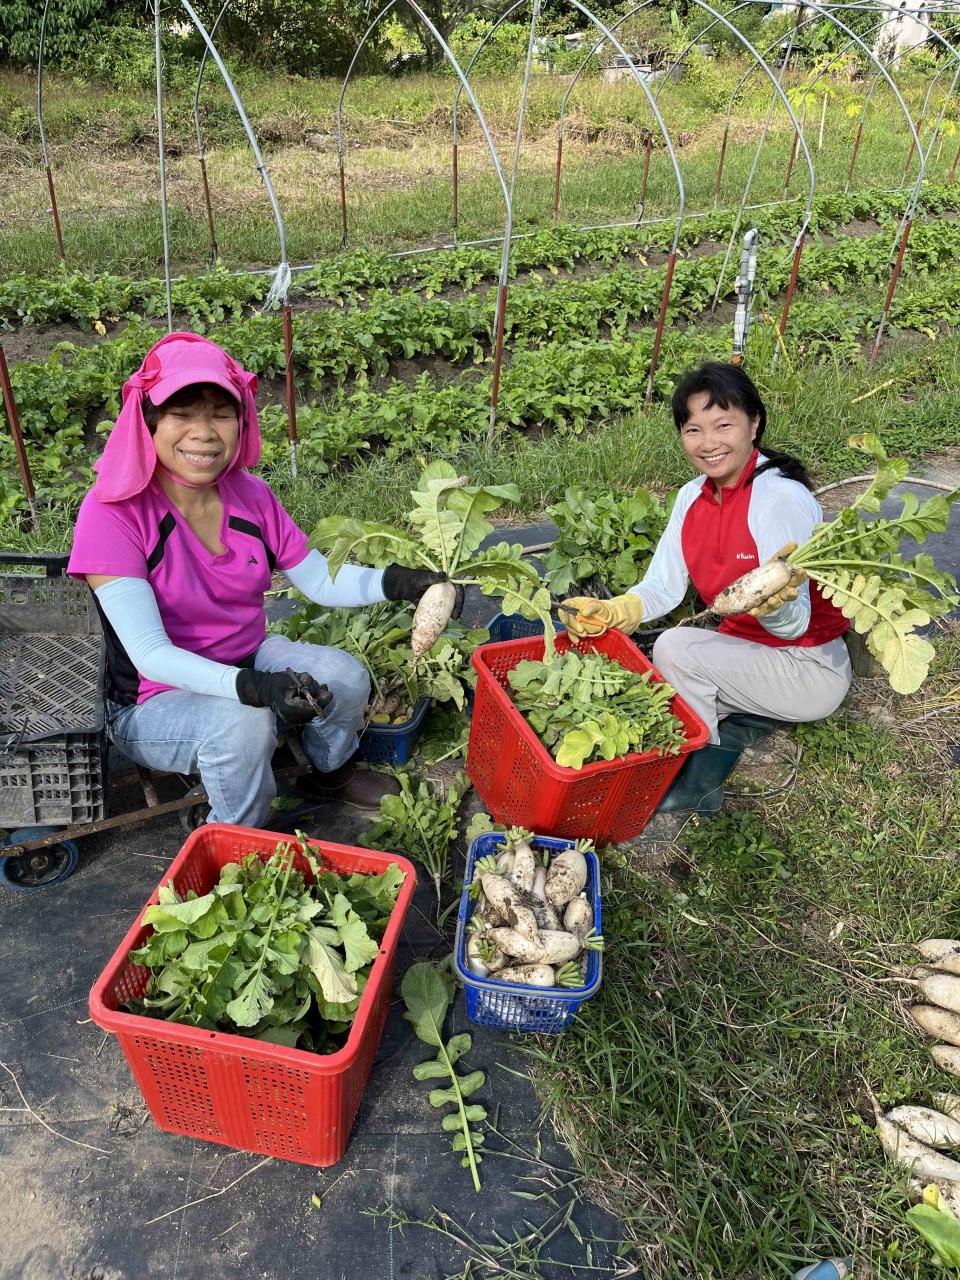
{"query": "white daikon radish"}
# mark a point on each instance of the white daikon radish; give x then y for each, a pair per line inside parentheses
(925, 1163)
(528, 975)
(553, 948)
(432, 615)
(752, 589)
(475, 961)
(926, 1125)
(547, 917)
(566, 877)
(578, 917)
(942, 989)
(524, 865)
(946, 1057)
(505, 862)
(937, 1022)
(944, 953)
(510, 904)
(948, 1103)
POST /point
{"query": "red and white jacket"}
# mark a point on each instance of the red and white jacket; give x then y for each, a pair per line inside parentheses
(714, 536)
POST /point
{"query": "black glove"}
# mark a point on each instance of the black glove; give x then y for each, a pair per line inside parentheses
(293, 696)
(410, 584)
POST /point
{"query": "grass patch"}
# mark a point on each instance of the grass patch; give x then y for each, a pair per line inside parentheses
(714, 1089)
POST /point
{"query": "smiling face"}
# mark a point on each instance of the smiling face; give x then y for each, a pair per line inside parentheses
(195, 433)
(718, 441)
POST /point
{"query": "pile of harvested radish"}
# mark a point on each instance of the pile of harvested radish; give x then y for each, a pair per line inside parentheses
(914, 1137)
(533, 921)
(938, 981)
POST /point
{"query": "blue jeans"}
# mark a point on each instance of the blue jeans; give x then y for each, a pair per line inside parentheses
(231, 745)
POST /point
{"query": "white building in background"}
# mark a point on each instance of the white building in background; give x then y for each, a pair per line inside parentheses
(903, 31)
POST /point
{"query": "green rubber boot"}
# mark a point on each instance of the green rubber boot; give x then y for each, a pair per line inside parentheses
(698, 787)
(743, 729)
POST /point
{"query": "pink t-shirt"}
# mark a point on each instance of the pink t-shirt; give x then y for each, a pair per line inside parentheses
(210, 604)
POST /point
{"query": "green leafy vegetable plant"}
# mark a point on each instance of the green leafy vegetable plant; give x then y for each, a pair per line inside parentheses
(585, 707)
(380, 638)
(427, 993)
(605, 541)
(448, 523)
(266, 954)
(420, 823)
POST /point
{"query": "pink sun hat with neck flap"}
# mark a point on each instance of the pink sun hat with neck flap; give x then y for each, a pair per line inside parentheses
(179, 360)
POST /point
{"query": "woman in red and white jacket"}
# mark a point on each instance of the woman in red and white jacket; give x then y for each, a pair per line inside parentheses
(784, 661)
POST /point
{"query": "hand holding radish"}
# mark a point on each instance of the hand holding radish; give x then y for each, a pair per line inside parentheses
(788, 592)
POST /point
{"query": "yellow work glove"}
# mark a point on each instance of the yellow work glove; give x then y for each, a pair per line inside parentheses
(789, 592)
(594, 617)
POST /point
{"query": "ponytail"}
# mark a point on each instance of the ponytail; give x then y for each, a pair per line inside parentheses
(790, 468)
(728, 386)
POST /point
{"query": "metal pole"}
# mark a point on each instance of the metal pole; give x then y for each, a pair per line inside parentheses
(723, 155)
(746, 283)
(291, 387)
(14, 420)
(658, 336)
(556, 179)
(455, 139)
(647, 149)
(43, 135)
(570, 87)
(895, 276)
(501, 313)
(158, 54)
(792, 284)
(201, 155)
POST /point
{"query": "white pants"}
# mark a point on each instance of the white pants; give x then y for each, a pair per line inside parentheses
(720, 674)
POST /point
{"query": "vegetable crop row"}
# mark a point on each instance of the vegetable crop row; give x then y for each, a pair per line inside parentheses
(211, 298)
(76, 383)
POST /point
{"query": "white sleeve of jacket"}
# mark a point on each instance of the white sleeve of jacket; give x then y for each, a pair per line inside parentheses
(130, 607)
(783, 511)
(665, 583)
(355, 586)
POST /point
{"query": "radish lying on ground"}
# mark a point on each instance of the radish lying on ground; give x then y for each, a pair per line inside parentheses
(947, 1058)
(938, 1022)
(857, 566)
(524, 927)
(925, 1163)
(926, 1125)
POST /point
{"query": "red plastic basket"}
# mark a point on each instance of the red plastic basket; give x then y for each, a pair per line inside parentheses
(522, 785)
(231, 1089)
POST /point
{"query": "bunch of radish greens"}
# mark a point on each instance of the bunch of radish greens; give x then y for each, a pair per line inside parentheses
(584, 706)
(265, 953)
(448, 525)
(857, 565)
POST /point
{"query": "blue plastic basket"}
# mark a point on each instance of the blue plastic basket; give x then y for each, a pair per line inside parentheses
(394, 743)
(513, 626)
(507, 1005)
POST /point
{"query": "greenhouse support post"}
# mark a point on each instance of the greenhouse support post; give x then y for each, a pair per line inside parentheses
(13, 418)
(894, 277)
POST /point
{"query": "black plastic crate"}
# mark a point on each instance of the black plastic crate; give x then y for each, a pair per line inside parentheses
(52, 743)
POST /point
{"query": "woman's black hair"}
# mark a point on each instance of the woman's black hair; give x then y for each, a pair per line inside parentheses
(182, 399)
(727, 386)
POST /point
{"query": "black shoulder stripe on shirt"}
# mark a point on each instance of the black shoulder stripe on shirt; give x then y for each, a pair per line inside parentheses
(166, 527)
(254, 531)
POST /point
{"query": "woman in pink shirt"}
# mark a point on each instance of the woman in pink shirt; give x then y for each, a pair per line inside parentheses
(784, 661)
(178, 541)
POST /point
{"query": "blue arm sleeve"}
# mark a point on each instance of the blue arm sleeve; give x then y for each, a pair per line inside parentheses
(131, 608)
(355, 586)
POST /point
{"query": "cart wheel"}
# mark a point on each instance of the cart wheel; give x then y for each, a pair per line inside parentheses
(40, 868)
(195, 815)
